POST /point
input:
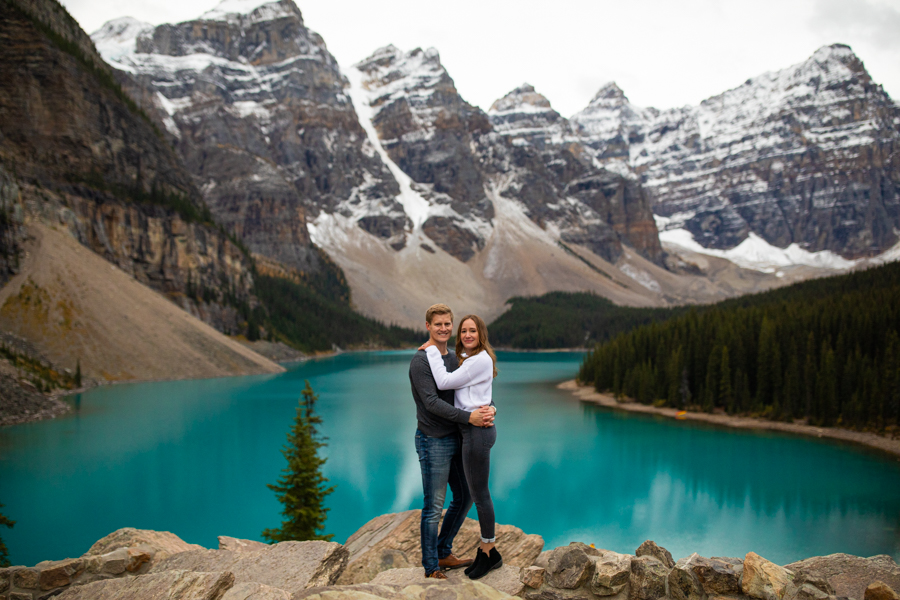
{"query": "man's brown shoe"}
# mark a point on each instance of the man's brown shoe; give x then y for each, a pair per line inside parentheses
(436, 575)
(452, 562)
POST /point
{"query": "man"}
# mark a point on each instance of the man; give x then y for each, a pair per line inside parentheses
(439, 448)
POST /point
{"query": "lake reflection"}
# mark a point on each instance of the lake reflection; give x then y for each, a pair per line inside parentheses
(194, 457)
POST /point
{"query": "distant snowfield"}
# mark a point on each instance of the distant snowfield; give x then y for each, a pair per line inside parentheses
(757, 254)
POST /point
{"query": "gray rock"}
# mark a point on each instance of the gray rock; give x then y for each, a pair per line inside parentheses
(551, 593)
(807, 591)
(850, 575)
(532, 577)
(717, 576)
(255, 591)
(158, 544)
(362, 591)
(504, 579)
(238, 545)
(543, 560)
(648, 578)
(569, 567)
(291, 566)
(28, 579)
(117, 562)
(649, 548)
(814, 579)
(372, 563)
(176, 584)
(683, 582)
(60, 573)
(400, 532)
(612, 572)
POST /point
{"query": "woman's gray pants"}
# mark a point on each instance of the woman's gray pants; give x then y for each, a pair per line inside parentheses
(476, 458)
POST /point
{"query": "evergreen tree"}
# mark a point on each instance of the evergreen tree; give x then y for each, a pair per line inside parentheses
(4, 553)
(301, 487)
(726, 395)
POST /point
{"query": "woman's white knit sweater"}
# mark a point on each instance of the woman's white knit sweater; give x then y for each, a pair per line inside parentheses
(472, 381)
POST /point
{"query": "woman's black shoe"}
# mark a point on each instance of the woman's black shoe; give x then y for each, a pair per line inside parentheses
(486, 565)
(479, 557)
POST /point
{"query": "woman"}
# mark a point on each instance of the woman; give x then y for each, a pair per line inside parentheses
(473, 382)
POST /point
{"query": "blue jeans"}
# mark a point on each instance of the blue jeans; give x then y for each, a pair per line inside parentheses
(441, 462)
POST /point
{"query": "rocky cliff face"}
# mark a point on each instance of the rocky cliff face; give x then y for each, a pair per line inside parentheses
(257, 107)
(806, 155)
(562, 184)
(264, 119)
(76, 152)
(428, 131)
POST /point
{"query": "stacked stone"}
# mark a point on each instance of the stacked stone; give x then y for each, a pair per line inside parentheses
(582, 572)
(148, 565)
(50, 578)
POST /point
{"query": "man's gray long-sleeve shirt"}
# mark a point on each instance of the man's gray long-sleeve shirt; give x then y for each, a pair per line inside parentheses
(435, 413)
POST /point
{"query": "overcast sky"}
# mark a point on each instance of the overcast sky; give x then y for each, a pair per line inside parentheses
(662, 53)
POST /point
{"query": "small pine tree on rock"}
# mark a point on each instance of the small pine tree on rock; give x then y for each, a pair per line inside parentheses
(4, 553)
(302, 487)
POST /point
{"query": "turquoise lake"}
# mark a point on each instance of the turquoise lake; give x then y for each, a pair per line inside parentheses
(194, 458)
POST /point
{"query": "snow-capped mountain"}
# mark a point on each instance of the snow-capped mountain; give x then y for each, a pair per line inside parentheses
(563, 185)
(806, 155)
(383, 165)
(257, 107)
(419, 195)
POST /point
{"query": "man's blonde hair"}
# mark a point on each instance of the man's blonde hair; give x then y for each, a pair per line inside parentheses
(437, 309)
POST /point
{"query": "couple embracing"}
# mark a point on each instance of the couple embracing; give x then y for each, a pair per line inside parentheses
(455, 434)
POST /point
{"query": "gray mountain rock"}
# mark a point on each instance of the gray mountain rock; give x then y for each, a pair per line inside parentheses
(548, 168)
(257, 108)
(804, 155)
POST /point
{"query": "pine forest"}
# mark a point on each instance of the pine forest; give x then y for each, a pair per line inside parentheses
(826, 350)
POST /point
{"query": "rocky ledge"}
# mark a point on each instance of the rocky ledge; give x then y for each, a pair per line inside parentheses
(380, 561)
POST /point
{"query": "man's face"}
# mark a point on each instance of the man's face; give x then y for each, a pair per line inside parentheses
(440, 328)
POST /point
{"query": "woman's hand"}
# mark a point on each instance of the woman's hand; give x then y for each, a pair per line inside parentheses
(426, 344)
(482, 417)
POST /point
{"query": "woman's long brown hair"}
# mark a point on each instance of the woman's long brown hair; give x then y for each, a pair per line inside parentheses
(483, 343)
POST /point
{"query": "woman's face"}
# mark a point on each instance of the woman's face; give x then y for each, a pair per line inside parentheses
(468, 333)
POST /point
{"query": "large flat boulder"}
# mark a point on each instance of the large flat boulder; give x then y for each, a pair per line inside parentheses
(169, 585)
(239, 545)
(255, 591)
(159, 545)
(504, 579)
(357, 591)
(400, 532)
(289, 566)
(850, 575)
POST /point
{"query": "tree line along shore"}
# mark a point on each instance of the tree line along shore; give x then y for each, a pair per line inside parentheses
(825, 351)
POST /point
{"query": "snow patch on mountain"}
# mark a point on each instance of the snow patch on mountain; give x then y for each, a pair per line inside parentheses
(414, 205)
(757, 254)
(239, 10)
(115, 40)
(419, 73)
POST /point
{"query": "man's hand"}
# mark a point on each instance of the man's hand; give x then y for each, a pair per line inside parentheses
(483, 417)
(426, 344)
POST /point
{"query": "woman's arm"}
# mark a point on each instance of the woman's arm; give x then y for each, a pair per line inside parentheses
(474, 370)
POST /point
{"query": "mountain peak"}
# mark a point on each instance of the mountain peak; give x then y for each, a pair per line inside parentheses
(521, 97)
(609, 91)
(227, 10)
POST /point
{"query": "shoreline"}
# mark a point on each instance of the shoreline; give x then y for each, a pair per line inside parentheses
(868, 440)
